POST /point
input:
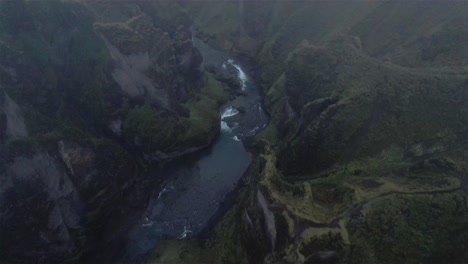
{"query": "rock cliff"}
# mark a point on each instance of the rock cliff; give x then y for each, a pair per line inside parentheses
(364, 160)
(90, 94)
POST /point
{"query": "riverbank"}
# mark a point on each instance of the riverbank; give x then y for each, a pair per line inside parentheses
(190, 194)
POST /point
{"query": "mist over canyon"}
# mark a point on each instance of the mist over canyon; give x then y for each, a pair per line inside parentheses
(232, 131)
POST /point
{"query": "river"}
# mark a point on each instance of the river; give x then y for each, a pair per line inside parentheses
(195, 188)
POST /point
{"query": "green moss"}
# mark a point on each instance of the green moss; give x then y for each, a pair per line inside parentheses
(413, 221)
(204, 114)
(174, 252)
(149, 128)
(277, 91)
(158, 130)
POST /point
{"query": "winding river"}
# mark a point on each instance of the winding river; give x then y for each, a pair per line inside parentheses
(195, 189)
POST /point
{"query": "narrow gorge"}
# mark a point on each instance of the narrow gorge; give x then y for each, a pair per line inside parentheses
(233, 131)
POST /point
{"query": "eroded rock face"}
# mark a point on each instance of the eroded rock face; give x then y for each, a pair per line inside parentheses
(3, 128)
(369, 133)
(65, 164)
(40, 209)
(47, 203)
(80, 161)
(13, 125)
(129, 74)
(116, 127)
(269, 218)
(147, 59)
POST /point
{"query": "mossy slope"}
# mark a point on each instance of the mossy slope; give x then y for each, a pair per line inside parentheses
(365, 156)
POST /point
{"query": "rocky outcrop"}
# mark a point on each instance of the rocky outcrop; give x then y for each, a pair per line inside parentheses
(368, 129)
(147, 59)
(48, 203)
(40, 211)
(129, 74)
(80, 161)
(12, 118)
(269, 219)
(367, 142)
(71, 74)
(161, 76)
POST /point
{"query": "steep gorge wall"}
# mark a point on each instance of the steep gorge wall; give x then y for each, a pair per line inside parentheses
(91, 93)
(368, 108)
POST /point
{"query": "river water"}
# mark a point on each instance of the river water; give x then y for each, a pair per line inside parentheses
(195, 188)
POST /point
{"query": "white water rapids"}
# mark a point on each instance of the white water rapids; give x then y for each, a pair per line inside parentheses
(240, 73)
(228, 112)
(193, 192)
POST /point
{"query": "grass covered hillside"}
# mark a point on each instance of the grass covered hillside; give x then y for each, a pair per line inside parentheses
(365, 158)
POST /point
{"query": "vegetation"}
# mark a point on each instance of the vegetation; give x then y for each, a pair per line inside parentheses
(56, 65)
(165, 132)
(70, 105)
(366, 149)
(365, 154)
